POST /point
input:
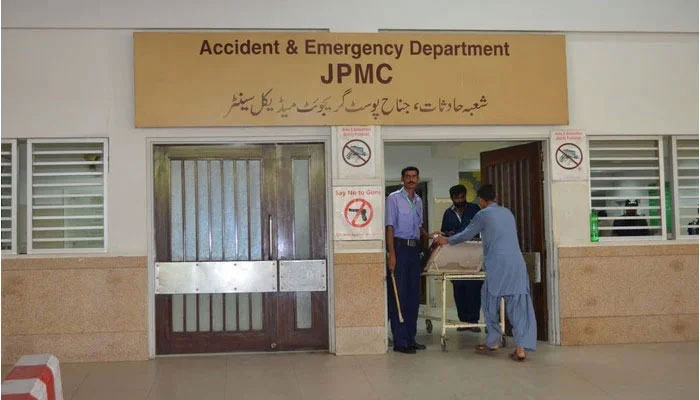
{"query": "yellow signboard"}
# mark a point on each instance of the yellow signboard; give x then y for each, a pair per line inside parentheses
(261, 78)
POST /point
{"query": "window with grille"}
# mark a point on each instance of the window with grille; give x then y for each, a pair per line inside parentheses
(8, 207)
(627, 190)
(685, 186)
(67, 193)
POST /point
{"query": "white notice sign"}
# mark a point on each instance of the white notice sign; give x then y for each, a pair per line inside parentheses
(357, 213)
(357, 157)
(569, 150)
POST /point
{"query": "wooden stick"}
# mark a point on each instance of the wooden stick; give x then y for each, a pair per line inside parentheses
(396, 296)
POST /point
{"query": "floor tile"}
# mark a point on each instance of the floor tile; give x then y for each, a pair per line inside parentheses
(181, 378)
(610, 372)
(116, 380)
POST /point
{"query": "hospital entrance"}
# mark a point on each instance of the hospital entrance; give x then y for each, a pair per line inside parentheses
(240, 248)
(517, 171)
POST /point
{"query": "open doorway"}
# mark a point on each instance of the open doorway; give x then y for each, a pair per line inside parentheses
(515, 168)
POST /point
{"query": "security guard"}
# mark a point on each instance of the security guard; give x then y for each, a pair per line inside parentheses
(404, 229)
(467, 293)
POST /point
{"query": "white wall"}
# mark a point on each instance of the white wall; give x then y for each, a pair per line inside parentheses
(440, 173)
(79, 83)
(358, 15)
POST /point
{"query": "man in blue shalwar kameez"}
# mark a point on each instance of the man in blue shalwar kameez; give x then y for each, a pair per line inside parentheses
(506, 275)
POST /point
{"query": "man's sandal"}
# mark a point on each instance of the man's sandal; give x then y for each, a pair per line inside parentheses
(482, 348)
(515, 357)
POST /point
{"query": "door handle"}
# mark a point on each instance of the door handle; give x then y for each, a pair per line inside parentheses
(269, 238)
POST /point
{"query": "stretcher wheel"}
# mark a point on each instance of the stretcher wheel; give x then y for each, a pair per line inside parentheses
(429, 326)
(443, 343)
(503, 341)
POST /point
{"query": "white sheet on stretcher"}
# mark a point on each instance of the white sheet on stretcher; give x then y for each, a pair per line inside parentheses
(463, 258)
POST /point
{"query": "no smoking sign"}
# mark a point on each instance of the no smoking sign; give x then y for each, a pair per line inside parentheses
(355, 209)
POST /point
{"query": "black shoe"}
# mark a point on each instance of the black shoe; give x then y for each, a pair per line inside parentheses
(405, 350)
(462, 329)
(475, 329)
(417, 346)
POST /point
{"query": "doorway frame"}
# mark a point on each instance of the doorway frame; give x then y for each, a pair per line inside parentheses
(238, 136)
(430, 134)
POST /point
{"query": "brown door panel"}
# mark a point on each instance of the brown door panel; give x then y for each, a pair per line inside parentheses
(276, 196)
(518, 176)
(288, 248)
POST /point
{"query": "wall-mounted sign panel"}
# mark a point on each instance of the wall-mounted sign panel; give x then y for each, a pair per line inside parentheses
(357, 151)
(569, 150)
(266, 78)
(357, 213)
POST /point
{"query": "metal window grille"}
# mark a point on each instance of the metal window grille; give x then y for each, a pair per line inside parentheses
(627, 190)
(67, 190)
(685, 186)
(8, 207)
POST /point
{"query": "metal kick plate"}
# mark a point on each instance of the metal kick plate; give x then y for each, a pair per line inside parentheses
(302, 275)
(216, 277)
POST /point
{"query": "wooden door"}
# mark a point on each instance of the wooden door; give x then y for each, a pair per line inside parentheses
(230, 204)
(517, 174)
(300, 225)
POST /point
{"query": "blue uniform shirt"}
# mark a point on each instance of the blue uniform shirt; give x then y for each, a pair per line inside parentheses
(504, 265)
(451, 222)
(404, 214)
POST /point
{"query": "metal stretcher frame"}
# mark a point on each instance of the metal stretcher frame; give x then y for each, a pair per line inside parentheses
(451, 276)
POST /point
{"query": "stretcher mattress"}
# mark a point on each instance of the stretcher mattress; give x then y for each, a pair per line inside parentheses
(463, 258)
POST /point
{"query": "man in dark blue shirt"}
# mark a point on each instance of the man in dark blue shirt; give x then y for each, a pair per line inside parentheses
(467, 293)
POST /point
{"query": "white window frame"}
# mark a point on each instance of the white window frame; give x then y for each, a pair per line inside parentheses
(30, 199)
(13, 198)
(677, 228)
(662, 185)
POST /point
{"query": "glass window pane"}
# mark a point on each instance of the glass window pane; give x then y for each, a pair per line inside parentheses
(176, 226)
(625, 187)
(231, 306)
(230, 239)
(244, 311)
(242, 206)
(257, 306)
(217, 310)
(302, 243)
(203, 233)
(303, 312)
(191, 312)
(190, 213)
(204, 312)
(216, 210)
(255, 210)
(177, 312)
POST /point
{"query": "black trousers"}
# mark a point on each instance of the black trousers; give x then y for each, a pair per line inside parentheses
(468, 300)
(407, 274)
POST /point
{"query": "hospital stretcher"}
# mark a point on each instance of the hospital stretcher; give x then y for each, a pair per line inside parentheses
(455, 263)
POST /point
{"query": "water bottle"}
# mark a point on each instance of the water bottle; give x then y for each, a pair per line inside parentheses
(594, 226)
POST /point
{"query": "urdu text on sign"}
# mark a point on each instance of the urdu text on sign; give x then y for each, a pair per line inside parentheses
(282, 78)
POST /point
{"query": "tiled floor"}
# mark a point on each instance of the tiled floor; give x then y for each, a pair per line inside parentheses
(651, 371)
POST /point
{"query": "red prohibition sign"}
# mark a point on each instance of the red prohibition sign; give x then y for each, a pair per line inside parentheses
(562, 155)
(353, 153)
(363, 212)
